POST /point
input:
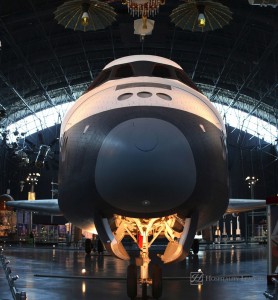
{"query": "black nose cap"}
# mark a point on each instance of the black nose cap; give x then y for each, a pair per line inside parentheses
(145, 165)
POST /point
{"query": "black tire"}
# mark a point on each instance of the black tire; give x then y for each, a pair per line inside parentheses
(144, 291)
(131, 281)
(157, 282)
(88, 246)
(195, 246)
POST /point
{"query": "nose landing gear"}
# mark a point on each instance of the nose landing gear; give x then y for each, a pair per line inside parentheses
(155, 282)
(145, 228)
(131, 281)
(179, 232)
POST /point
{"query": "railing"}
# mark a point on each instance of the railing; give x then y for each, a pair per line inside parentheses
(17, 295)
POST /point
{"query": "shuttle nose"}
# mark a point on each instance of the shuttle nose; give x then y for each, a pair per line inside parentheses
(145, 165)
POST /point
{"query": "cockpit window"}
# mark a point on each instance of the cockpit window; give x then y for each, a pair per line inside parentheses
(160, 70)
(123, 71)
(102, 77)
(142, 68)
(185, 79)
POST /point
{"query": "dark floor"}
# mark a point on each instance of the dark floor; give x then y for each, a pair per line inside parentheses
(53, 273)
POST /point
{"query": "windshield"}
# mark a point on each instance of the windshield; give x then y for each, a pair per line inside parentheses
(142, 68)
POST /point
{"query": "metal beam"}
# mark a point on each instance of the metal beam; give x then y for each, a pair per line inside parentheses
(236, 44)
(254, 72)
(199, 55)
(260, 102)
(69, 88)
(27, 65)
(86, 57)
(12, 88)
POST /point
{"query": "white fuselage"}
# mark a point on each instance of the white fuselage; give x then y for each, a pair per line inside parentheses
(105, 97)
(142, 146)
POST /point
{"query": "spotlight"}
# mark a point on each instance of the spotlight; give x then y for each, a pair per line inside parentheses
(85, 19)
(201, 20)
(85, 16)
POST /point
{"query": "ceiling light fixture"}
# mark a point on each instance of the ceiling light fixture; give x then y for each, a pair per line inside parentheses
(85, 15)
(201, 15)
(201, 20)
(143, 7)
(85, 19)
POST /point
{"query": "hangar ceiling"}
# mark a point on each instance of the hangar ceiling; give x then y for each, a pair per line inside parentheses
(43, 64)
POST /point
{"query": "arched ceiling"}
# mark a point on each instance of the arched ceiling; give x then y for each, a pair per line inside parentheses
(42, 64)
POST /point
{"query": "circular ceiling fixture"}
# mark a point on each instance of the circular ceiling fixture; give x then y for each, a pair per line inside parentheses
(85, 15)
(142, 8)
(201, 16)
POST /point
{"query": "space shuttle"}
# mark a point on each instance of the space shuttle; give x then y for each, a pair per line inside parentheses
(142, 154)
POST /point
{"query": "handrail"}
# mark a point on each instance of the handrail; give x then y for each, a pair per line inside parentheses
(17, 295)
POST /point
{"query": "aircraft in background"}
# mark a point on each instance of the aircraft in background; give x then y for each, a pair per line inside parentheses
(142, 154)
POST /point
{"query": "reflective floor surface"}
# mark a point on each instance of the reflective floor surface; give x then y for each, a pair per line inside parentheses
(229, 272)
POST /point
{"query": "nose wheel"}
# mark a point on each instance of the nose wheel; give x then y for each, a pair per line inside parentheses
(88, 246)
(195, 246)
(155, 282)
(131, 281)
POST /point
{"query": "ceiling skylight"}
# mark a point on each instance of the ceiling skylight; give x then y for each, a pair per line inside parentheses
(231, 116)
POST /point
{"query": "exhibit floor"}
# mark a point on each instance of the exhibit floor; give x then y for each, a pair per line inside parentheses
(228, 272)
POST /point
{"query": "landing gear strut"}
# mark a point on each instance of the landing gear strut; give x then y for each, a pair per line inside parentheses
(179, 232)
(145, 228)
(155, 282)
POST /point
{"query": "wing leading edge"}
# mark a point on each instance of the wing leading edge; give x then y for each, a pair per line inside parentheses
(49, 206)
(241, 205)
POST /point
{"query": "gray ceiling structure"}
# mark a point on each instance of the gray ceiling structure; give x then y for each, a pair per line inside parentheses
(42, 64)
